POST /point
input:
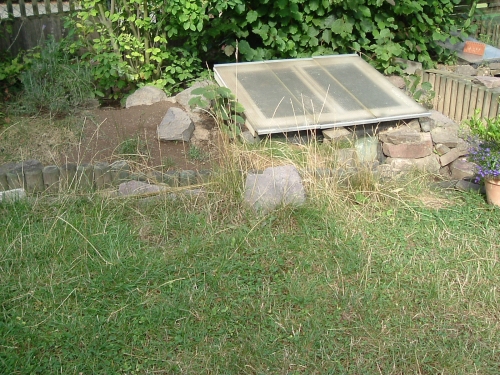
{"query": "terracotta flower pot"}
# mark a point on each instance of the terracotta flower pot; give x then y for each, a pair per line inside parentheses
(492, 191)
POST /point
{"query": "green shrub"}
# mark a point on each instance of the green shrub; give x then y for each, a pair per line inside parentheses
(54, 83)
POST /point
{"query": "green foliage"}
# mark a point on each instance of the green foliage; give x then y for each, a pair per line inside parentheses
(422, 92)
(227, 110)
(376, 29)
(132, 44)
(54, 83)
(133, 148)
(485, 129)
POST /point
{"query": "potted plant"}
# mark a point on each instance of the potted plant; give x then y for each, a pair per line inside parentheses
(485, 153)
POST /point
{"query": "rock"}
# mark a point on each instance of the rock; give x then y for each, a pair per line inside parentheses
(425, 124)
(427, 164)
(15, 173)
(442, 149)
(275, 186)
(184, 96)
(337, 134)
(120, 172)
(447, 136)
(440, 120)
(12, 195)
(464, 185)
(461, 169)
(146, 95)
(451, 156)
(248, 137)
(419, 148)
(175, 126)
(4, 169)
(465, 70)
(489, 82)
(414, 124)
(412, 67)
(345, 158)
(200, 134)
(367, 149)
(397, 81)
(137, 188)
(400, 135)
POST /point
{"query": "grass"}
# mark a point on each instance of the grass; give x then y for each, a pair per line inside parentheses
(403, 282)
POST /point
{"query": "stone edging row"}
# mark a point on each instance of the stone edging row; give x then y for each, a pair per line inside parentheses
(35, 178)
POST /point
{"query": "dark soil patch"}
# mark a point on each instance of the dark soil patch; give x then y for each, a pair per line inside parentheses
(109, 134)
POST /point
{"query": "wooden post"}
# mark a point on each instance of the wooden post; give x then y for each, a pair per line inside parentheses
(447, 96)
(453, 101)
(460, 101)
(442, 89)
(34, 4)
(485, 109)
(494, 105)
(437, 82)
(60, 8)
(47, 7)
(10, 8)
(22, 8)
(480, 100)
(473, 101)
(467, 94)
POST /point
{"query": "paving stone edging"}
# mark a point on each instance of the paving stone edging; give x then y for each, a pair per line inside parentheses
(35, 178)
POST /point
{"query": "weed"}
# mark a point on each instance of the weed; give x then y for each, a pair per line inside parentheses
(196, 153)
(54, 84)
(168, 162)
(133, 149)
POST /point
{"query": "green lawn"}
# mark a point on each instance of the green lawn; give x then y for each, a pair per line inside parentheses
(92, 285)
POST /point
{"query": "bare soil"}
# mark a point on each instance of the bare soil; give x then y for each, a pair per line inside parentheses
(109, 134)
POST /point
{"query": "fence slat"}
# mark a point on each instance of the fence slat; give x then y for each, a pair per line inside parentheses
(485, 109)
(494, 105)
(22, 8)
(437, 84)
(467, 95)
(480, 98)
(460, 101)
(34, 4)
(453, 101)
(473, 100)
(60, 8)
(447, 96)
(47, 7)
(442, 89)
(10, 8)
(72, 5)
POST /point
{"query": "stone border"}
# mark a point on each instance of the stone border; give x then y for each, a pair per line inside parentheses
(35, 178)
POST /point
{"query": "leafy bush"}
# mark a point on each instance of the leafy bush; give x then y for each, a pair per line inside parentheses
(378, 29)
(132, 43)
(127, 42)
(54, 83)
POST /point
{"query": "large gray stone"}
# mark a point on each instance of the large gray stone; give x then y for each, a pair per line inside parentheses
(337, 134)
(489, 82)
(427, 164)
(175, 126)
(400, 135)
(184, 96)
(137, 188)
(275, 186)
(461, 169)
(446, 135)
(451, 156)
(414, 149)
(146, 95)
(466, 70)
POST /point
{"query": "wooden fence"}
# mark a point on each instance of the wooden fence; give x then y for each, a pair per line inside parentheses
(24, 25)
(457, 96)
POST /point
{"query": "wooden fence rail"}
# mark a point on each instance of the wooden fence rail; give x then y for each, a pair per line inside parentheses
(21, 8)
(458, 97)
